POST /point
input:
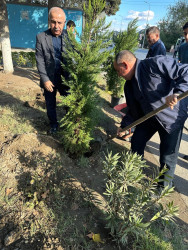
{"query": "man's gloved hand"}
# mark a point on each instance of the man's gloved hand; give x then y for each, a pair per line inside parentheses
(49, 86)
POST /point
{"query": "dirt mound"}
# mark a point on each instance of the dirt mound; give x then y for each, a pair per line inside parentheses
(17, 151)
(11, 145)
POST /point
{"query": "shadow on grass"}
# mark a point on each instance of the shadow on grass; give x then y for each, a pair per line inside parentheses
(36, 117)
(31, 74)
(12, 236)
(63, 190)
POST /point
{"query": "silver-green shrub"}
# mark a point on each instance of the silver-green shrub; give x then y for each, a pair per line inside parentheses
(133, 201)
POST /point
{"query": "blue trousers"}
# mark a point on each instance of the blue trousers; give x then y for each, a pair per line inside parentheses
(169, 145)
(50, 98)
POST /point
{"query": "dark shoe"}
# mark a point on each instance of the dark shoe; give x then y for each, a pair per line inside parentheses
(156, 194)
(66, 109)
(185, 157)
(53, 131)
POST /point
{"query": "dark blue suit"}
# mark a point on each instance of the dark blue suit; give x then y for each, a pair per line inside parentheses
(155, 79)
(48, 57)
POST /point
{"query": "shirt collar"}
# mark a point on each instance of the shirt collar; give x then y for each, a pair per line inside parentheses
(153, 45)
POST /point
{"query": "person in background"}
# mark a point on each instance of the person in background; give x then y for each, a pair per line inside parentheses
(49, 47)
(149, 84)
(183, 49)
(71, 26)
(156, 46)
(179, 42)
(183, 55)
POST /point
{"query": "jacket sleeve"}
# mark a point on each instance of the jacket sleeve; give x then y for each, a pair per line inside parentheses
(134, 110)
(40, 59)
(175, 71)
(127, 119)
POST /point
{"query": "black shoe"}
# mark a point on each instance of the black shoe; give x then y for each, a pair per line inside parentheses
(53, 131)
(157, 192)
(185, 157)
(66, 109)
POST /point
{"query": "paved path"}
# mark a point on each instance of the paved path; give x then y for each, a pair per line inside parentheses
(181, 173)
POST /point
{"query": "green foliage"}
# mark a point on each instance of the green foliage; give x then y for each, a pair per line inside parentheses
(131, 208)
(84, 61)
(161, 236)
(128, 39)
(171, 25)
(112, 7)
(115, 84)
(125, 40)
(83, 162)
(23, 59)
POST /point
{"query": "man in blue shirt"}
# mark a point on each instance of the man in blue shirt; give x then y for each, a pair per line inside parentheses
(183, 50)
(156, 46)
(149, 84)
(49, 47)
(183, 54)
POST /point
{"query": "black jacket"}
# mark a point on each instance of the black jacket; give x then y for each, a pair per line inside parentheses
(45, 55)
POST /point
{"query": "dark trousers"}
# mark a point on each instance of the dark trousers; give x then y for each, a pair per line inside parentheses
(169, 145)
(50, 98)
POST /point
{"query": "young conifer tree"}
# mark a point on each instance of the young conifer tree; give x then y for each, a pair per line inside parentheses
(125, 40)
(84, 60)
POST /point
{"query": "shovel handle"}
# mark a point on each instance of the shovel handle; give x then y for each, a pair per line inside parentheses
(150, 114)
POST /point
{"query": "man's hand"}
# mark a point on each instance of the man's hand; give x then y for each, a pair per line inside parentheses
(49, 86)
(120, 132)
(172, 100)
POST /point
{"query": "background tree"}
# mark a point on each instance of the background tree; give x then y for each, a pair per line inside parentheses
(84, 62)
(110, 8)
(171, 26)
(5, 39)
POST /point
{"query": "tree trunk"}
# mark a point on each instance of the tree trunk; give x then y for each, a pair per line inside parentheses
(5, 39)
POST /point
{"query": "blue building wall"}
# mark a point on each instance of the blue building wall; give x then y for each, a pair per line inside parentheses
(25, 22)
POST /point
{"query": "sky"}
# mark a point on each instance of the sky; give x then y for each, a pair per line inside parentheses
(149, 11)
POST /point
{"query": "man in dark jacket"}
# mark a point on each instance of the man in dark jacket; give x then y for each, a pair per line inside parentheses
(49, 47)
(156, 46)
(149, 84)
(183, 49)
(183, 54)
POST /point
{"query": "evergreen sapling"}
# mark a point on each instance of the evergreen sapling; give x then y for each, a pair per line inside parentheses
(84, 60)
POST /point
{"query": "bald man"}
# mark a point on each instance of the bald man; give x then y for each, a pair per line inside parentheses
(149, 84)
(49, 47)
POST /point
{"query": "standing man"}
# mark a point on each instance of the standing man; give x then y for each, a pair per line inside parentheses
(183, 55)
(49, 47)
(149, 84)
(156, 46)
(183, 49)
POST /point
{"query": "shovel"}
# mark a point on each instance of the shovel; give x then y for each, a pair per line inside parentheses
(149, 115)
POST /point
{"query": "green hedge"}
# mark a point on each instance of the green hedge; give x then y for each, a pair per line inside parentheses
(22, 59)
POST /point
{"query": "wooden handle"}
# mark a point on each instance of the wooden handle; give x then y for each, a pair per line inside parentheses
(150, 114)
